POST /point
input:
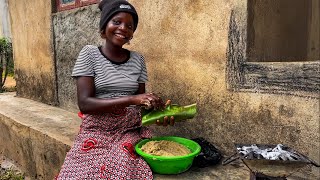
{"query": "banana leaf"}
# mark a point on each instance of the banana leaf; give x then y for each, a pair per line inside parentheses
(178, 112)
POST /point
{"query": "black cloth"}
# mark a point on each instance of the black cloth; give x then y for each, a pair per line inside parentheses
(208, 156)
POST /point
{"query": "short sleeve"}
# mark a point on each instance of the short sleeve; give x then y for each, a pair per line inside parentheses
(143, 78)
(84, 63)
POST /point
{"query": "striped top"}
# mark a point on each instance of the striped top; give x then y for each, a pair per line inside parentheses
(111, 79)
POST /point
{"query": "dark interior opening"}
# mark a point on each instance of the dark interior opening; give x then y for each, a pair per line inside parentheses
(283, 31)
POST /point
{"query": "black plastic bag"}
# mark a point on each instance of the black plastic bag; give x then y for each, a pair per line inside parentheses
(209, 154)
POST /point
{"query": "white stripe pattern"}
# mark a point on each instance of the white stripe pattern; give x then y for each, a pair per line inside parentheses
(111, 80)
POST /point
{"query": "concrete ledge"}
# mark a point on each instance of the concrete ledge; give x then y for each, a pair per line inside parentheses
(38, 136)
(35, 135)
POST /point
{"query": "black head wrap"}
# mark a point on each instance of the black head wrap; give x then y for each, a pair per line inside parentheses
(110, 7)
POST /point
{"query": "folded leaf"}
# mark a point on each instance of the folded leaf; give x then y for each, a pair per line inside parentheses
(178, 112)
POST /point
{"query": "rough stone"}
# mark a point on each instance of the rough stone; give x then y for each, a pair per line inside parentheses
(35, 136)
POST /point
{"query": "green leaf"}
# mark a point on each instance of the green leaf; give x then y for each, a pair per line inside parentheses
(178, 112)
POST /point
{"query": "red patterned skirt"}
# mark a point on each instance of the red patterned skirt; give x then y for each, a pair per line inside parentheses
(104, 148)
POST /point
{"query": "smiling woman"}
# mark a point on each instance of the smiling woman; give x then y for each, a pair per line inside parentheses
(111, 96)
(119, 30)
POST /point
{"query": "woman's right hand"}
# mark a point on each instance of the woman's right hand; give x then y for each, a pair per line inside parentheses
(150, 101)
(166, 119)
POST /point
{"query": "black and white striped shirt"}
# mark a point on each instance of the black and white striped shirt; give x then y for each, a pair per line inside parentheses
(111, 79)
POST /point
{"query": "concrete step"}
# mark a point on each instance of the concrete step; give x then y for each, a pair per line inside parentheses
(35, 135)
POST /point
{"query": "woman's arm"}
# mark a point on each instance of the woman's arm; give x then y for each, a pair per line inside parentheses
(141, 89)
(89, 104)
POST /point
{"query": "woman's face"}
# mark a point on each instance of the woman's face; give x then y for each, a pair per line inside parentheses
(119, 30)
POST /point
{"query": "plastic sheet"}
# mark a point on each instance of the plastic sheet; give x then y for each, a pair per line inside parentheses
(209, 155)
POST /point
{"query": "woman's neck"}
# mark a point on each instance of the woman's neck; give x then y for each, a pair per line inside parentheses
(114, 53)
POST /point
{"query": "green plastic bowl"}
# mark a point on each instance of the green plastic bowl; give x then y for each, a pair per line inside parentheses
(170, 164)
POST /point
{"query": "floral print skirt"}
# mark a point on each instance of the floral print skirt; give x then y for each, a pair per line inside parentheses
(104, 148)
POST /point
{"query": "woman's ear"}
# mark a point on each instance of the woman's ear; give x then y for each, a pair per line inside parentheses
(103, 34)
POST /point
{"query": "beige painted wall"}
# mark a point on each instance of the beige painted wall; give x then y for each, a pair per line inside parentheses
(32, 37)
(185, 45)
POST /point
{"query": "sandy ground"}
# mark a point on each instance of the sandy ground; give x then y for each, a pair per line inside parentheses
(10, 82)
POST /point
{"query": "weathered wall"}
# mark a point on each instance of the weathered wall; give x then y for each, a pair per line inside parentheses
(185, 45)
(33, 151)
(186, 61)
(72, 30)
(33, 52)
(314, 31)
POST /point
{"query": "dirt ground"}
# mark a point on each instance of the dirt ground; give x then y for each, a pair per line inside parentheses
(10, 82)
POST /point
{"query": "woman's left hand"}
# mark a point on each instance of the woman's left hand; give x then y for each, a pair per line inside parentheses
(166, 120)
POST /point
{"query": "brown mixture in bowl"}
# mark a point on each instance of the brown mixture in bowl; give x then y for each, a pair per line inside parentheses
(165, 148)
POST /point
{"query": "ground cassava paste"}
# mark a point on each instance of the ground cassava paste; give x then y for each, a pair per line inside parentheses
(165, 148)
